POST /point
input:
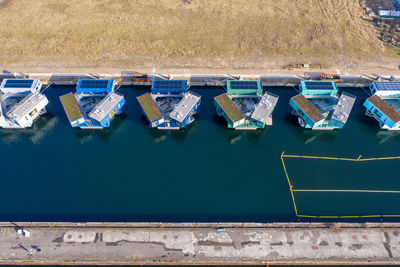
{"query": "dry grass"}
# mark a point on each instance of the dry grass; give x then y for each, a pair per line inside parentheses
(238, 33)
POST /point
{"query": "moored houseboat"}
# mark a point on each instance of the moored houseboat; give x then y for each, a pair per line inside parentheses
(93, 105)
(319, 106)
(244, 106)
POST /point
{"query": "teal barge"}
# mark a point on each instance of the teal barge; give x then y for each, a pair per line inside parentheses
(244, 106)
(319, 107)
(384, 104)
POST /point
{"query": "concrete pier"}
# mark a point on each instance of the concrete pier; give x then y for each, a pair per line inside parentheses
(200, 243)
(125, 78)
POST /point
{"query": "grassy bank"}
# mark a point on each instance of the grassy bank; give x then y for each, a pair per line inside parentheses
(238, 33)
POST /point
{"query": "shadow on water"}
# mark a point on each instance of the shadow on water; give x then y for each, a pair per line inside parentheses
(35, 134)
(234, 136)
(307, 135)
(179, 136)
(88, 135)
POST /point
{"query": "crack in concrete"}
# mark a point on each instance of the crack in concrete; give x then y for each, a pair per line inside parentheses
(144, 243)
(387, 244)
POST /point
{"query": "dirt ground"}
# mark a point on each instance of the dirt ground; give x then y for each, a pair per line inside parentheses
(201, 34)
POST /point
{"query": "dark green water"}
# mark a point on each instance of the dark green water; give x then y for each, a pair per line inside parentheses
(204, 173)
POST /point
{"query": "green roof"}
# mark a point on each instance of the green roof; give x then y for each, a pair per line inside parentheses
(149, 107)
(71, 107)
(308, 108)
(229, 107)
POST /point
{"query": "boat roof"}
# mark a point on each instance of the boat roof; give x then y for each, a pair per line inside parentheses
(25, 106)
(71, 107)
(149, 107)
(87, 85)
(8, 85)
(319, 85)
(387, 86)
(106, 105)
(265, 107)
(229, 107)
(187, 103)
(308, 108)
(251, 86)
(343, 107)
(170, 86)
(388, 110)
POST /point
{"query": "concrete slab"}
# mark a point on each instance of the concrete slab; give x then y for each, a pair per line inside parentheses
(184, 244)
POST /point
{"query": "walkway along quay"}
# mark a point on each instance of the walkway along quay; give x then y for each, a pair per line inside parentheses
(199, 243)
(125, 78)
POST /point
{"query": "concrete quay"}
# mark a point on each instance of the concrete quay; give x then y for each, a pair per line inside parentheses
(200, 243)
(125, 78)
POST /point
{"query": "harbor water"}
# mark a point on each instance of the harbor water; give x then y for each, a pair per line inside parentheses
(206, 172)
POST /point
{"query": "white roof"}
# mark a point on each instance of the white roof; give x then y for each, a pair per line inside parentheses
(106, 105)
(343, 107)
(25, 106)
(265, 107)
(183, 108)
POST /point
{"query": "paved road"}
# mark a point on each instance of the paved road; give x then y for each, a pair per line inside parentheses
(200, 246)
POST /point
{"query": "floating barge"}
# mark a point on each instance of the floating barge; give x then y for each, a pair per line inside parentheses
(384, 104)
(169, 106)
(21, 102)
(319, 107)
(244, 106)
(94, 104)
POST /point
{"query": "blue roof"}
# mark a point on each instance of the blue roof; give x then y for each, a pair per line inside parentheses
(169, 86)
(95, 86)
(19, 83)
(315, 85)
(387, 86)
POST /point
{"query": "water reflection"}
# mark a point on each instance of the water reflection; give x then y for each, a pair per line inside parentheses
(88, 135)
(34, 134)
(384, 136)
(234, 136)
(179, 136)
(308, 136)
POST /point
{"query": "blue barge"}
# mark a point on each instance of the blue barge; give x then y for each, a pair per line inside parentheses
(94, 104)
(319, 107)
(169, 105)
(384, 104)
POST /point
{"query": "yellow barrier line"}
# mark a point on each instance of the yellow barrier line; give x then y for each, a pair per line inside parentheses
(334, 190)
(384, 158)
(335, 158)
(307, 216)
(290, 184)
(349, 190)
(294, 202)
(284, 168)
(314, 157)
(345, 216)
